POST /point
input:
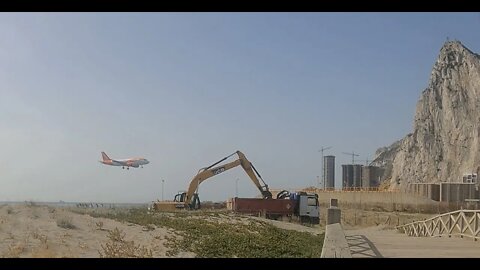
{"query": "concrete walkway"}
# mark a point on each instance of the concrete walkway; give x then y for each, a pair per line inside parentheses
(377, 242)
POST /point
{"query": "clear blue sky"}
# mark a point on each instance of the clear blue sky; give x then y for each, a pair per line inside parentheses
(184, 90)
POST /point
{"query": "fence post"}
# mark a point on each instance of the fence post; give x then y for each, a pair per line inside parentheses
(461, 216)
(475, 226)
(449, 225)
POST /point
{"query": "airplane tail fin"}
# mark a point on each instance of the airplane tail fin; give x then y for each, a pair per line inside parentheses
(105, 157)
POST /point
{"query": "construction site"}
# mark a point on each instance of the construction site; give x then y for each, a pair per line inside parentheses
(364, 203)
(361, 191)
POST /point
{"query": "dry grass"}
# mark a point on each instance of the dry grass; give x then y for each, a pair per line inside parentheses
(64, 237)
(82, 245)
(65, 223)
(41, 237)
(14, 251)
(118, 247)
(43, 252)
(148, 227)
(99, 225)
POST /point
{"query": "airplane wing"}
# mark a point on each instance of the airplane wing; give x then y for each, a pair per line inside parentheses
(120, 162)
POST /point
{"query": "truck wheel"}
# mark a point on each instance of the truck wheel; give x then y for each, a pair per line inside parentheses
(302, 219)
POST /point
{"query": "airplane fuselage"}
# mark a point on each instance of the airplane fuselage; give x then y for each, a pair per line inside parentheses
(130, 162)
(126, 162)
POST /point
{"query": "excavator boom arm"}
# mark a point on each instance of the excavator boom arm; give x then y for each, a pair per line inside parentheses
(250, 170)
(204, 175)
(212, 171)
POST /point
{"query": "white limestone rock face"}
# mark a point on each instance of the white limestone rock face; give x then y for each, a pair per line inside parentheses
(444, 144)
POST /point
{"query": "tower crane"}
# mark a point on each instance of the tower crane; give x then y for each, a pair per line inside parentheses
(366, 161)
(353, 156)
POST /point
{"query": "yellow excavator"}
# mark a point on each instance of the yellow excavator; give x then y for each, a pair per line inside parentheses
(190, 199)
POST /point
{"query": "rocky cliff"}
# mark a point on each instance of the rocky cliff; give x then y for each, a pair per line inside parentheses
(384, 157)
(445, 142)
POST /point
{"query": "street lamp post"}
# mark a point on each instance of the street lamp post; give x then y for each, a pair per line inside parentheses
(163, 182)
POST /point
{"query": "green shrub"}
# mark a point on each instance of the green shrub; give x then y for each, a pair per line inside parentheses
(207, 236)
(118, 247)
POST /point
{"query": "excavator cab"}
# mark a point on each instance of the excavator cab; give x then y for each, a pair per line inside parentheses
(194, 205)
(180, 197)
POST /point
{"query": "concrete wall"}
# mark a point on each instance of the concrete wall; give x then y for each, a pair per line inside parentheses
(387, 200)
(335, 244)
(457, 192)
(428, 190)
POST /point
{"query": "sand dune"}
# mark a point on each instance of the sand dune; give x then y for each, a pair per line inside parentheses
(45, 231)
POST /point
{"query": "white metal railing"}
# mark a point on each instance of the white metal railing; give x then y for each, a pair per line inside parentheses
(462, 223)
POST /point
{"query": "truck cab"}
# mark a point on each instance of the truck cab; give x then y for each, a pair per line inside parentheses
(309, 209)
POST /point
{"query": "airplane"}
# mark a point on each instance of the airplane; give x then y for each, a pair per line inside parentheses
(130, 162)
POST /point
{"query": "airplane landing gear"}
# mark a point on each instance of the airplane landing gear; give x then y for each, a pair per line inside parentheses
(128, 168)
(123, 167)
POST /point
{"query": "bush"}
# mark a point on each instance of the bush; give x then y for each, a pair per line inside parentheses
(118, 247)
(65, 223)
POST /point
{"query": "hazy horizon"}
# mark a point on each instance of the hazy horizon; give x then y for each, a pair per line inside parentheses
(185, 90)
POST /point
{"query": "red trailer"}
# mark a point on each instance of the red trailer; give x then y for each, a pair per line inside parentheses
(264, 207)
(297, 206)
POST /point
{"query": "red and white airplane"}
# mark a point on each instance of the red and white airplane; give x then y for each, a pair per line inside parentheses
(130, 162)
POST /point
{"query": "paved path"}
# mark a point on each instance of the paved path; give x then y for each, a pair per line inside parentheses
(378, 242)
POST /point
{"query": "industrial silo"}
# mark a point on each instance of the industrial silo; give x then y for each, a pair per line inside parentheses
(347, 175)
(370, 176)
(357, 175)
(329, 171)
